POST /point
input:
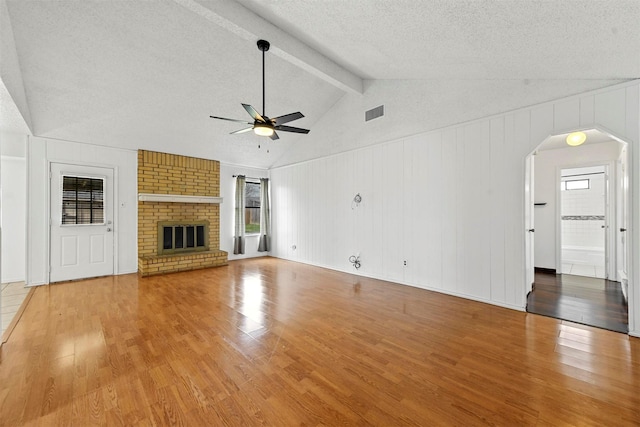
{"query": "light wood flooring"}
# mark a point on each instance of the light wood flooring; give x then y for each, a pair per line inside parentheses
(276, 343)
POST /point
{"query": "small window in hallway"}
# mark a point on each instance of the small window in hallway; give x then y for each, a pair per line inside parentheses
(576, 184)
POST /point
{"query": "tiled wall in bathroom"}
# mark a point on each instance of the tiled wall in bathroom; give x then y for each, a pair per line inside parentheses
(583, 214)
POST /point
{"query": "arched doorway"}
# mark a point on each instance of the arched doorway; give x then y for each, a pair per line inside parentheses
(558, 282)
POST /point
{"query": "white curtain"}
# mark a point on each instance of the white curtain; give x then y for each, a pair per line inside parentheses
(238, 236)
(265, 217)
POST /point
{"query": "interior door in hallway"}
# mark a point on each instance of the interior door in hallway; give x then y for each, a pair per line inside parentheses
(81, 222)
(529, 219)
(623, 217)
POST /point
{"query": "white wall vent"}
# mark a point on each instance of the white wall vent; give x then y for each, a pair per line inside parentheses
(374, 113)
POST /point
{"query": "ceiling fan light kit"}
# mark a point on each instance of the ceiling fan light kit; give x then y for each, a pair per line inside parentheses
(262, 130)
(263, 125)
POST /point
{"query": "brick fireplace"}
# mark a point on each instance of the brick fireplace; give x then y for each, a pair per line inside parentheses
(177, 195)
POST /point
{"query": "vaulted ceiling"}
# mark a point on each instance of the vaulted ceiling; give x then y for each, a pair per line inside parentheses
(148, 74)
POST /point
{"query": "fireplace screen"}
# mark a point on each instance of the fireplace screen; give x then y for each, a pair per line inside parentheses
(179, 236)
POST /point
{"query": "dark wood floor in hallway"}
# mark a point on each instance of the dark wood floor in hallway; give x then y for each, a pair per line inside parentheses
(586, 300)
(277, 343)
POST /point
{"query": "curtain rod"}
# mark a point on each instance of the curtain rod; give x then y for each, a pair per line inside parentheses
(249, 177)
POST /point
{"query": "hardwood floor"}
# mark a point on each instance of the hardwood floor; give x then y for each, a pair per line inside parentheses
(586, 300)
(271, 342)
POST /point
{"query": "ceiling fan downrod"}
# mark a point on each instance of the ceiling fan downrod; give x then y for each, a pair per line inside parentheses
(263, 46)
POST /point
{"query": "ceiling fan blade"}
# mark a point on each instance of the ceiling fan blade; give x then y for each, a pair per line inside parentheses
(253, 113)
(242, 131)
(231, 120)
(287, 118)
(291, 129)
(274, 136)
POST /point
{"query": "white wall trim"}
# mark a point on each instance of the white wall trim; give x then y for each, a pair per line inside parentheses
(413, 285)
(29, 285)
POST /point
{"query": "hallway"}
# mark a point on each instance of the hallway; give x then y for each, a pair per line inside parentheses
(590, 301)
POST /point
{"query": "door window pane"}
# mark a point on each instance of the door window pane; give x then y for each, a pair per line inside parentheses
(82, 200)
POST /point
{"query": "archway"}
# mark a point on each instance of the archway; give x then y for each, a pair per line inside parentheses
(551, 288)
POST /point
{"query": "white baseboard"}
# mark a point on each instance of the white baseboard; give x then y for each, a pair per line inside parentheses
(12, 279)
(425, 287)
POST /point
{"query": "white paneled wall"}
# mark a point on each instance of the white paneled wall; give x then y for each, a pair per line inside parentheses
(14, 205)
(41, 152)
(14, 214)
(427, 201)
(449, 202)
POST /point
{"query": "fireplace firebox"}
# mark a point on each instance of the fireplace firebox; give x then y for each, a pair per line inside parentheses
(182, 236)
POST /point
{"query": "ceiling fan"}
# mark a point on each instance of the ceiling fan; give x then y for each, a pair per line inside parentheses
(263, 125)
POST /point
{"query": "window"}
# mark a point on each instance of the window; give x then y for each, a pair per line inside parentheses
(252, 208)
(576, 184)
(82, 200)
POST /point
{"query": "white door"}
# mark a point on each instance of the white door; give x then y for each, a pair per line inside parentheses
(623, 219)
(529, 221)
(81, 222)
(608, 253)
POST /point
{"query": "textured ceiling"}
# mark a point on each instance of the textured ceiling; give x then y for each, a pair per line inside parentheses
(473, 39)
(147, 74)
(10, 118)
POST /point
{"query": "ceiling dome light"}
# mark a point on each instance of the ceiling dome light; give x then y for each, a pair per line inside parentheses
(576, 138)
(262, 130)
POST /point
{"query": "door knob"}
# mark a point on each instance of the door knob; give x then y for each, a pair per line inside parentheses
(109, 229)
(623, 229)
(531, 230)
